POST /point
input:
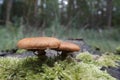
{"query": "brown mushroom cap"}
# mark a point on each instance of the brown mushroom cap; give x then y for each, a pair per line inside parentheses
(53, 42)
(67, 46)
(40, 43)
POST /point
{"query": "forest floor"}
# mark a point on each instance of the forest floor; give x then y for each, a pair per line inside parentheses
(16, 53)
(96, 42)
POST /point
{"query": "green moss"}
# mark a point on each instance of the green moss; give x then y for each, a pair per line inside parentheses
(33, 68)
(20, 51)
(107, 59)
(118, 50)
(85, 57)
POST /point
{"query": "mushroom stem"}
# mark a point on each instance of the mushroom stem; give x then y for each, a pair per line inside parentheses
(41, 55)
(64, 54)
(41, 52)
(37, 52)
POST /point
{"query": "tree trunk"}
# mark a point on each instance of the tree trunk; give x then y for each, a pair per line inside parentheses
(8, 11)
(109, 12)
(35, 7)
(70, 12)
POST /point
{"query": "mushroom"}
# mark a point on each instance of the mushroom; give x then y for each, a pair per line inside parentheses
(67, 48)
(38, 44)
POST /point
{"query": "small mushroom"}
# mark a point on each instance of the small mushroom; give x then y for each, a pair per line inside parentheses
(67, 48)
(38, 44)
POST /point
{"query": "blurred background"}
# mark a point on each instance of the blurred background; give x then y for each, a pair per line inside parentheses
(95, 21)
